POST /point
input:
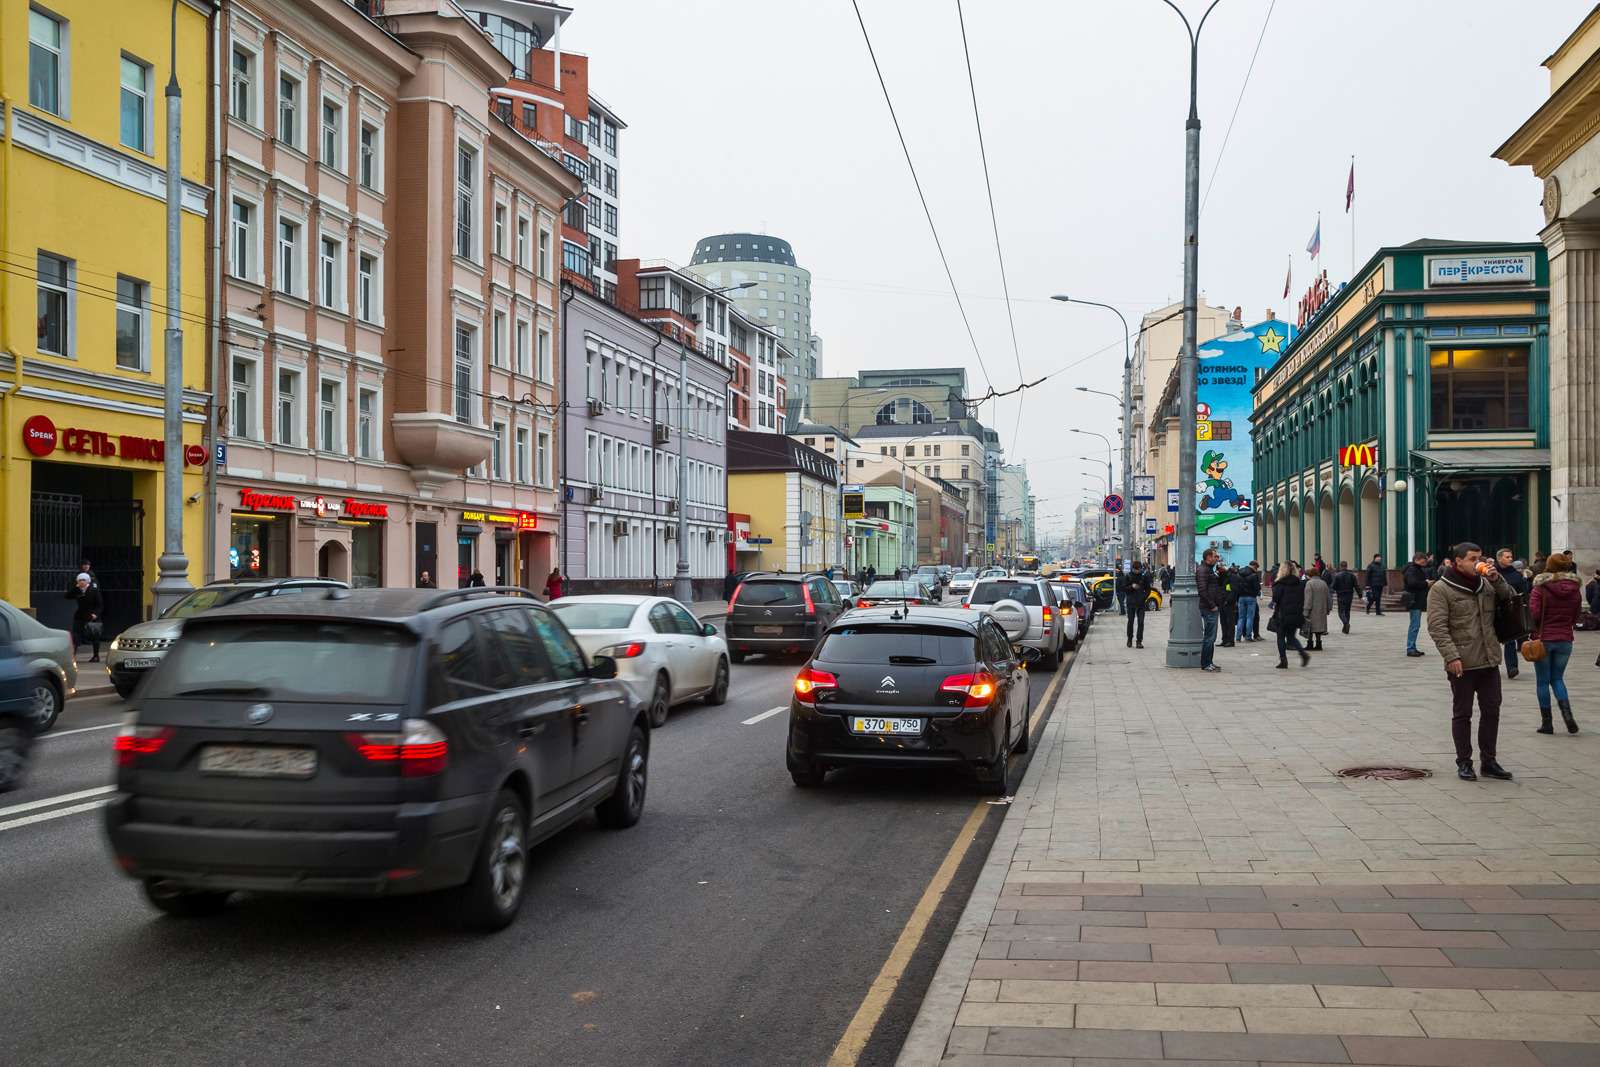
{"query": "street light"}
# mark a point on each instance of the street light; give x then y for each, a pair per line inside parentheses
(1127, 409)
(1110, 519)
(1183, 647)
(839, 522)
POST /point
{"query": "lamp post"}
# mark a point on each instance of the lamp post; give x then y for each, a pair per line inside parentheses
(1110, 481)
(1127, 413)
(1183, 647)
(1105, 520)
(843, 465)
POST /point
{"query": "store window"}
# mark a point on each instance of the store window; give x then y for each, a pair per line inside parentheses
(1479, 388)
(466, 553)
(366, 555)
(427, 554)
(258, 546)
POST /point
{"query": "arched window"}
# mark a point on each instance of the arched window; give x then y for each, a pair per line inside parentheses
(903, 411)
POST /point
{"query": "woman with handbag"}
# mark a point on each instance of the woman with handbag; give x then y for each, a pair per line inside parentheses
(1288, 613)
(86, 621)
(1555, 603)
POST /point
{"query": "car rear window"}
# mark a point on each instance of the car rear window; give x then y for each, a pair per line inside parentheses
(1025, 593)
(333, 662)
(898, 644)
(582, 616)
(763, 594)
(894, 589)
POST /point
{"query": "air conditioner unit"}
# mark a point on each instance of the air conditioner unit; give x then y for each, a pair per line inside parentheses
(596, 406)
(597, 493)
(619, 528)
(711, 535)
(672, 507)
(663, 432)
(670, 533)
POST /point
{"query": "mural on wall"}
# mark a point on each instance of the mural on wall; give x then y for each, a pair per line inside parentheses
(1229, 368)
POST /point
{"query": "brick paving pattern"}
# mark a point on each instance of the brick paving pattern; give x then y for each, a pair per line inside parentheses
(1184, 878)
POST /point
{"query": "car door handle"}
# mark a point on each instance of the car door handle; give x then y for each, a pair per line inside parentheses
(531, 730)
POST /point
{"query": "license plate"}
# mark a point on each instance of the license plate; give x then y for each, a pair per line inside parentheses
(777, 630)
(258, 761)
(863, 725)
(138, 664)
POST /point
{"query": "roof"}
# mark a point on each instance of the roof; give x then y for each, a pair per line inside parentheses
(743, 248)
(1439, 242)
(945, 428)
(388, 606)
(609, 598)
(819, 428)
(1482, 460)
(750, 450)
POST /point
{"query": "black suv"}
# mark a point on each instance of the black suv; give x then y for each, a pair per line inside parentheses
(781, 613)
(370, 742)
(913, 687)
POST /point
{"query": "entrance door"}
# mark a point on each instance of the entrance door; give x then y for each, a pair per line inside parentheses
(502, 561)
(1486, 511)
(67, 528)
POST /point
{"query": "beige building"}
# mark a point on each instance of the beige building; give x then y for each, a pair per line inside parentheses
(1561, 142)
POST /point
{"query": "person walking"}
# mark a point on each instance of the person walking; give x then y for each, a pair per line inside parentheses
(1414, 593)
(1505, 562)
(1343, 588)
(1288, 612)
(1377, 578)
(1247, 587)
(1208, 593)
(1121, 571)
(555, 586)
(87, 621)
(1138, 593)
(475, 580)
(1166, 581)
(1591, 593)
(1461, 607)
(424, 580)
(1317, 601)
(1554, 604)
(1228, 575)
(1256, 576)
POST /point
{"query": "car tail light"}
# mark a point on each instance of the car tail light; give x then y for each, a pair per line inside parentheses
(624, 651)
(809, 680)
(811, 606)
(420, 748)
(976, 689)
(134, 741)
(734, 599)
(863, 603)
(1049, 613)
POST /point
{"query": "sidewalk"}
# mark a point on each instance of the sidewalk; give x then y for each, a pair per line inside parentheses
(1183, 877)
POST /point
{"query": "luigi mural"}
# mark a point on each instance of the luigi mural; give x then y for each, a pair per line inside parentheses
(1229, 368)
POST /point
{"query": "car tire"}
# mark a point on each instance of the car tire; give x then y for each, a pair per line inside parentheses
(1051, 660)
(719, 688)
(123, 691)
(736, 657)
(184, 903)
(493, 893)
(993, 779)
(47, 702)
(625, 805)
(660, 703)
(15, 741)
(808, 775)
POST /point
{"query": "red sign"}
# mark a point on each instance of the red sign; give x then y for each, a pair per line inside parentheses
(1358, 456)
(40, 437)
(350, 508)
(1312, 302)
(194, 455)
(255, 500)
(527, 520)
(362, 509)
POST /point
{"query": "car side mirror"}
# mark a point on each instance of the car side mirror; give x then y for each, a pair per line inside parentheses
(602, 668)
(708, 630)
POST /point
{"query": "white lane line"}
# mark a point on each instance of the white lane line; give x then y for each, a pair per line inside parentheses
(64, 798)
(79, 730)
(769, 713)
(44, 816)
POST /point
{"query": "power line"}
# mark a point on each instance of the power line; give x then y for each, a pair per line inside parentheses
(1229, 132)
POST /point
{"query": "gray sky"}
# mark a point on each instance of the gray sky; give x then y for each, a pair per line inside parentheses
(760, 115)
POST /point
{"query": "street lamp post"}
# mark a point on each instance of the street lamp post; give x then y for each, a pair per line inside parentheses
(1127, 415)
(1183, 646)
(1110, 481)
(1105, 519)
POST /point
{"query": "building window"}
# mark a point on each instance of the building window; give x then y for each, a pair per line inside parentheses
(243, 99)
(497, 340)
(370, 158)
(330, 274)
(56, 276)
(541, 468)
(522, 242)
(132, 323)
(367, 423)
(575, 258)
(611, 137)
(497, 457)
(288, 257)
(330, 416)
(611, 219)
(332, 135)
(47, 62)
(466, 196)
(466, 340)
(288, 407)
(242, 399)
(243, 245)
(522, 455)
(544, 254)
(500, 229)
(134, 101)
(288, 109)
(575, 214)
(367, 287)
(653, 292)
(522, 347)
(1479, 388)
(542, 369)
(503, 109)
(903, 411)
(611, 180)
(530, 114)
(575, 127)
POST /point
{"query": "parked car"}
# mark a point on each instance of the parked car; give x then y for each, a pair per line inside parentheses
(889, 593)
(141, 647)
(780, 613)
(934, 576)
(1072, 594)
(49, 657)
(848, 590)
(921, 688)
(961, 582)
(664, 655)
(18, 719)
(370, 742)
(1027, 611)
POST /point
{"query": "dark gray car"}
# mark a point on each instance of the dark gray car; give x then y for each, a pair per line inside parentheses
(781, 613)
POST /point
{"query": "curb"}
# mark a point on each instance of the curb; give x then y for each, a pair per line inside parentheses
(930, 1030)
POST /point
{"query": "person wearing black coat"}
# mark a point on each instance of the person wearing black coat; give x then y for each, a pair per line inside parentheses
(1228, 576)
(89, 610)
(1208, 595)
(1377, 578)
(1246, 593)
(1289, 612)
(1415, 580)
(1136, 591)
(1506, 563)
(1344, 592)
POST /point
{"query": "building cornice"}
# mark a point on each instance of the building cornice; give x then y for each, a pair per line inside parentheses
(1568, 119)
(72, 149)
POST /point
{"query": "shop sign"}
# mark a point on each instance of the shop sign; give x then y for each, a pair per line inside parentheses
(521, 520)
(1312, 302)
(350, 508)
(1480, 270)
(255, 500)
(1358, 456)
(364, 509)
(855, 504)
(41, 438)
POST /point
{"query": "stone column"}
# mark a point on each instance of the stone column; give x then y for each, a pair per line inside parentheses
(1574, 249)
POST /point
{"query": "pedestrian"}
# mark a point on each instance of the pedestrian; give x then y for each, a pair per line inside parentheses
(1554, 605)
(1166, 581)
(1209, 593)
(1343, 588)
(1138, 592)
(730, 582)
(1257, 575)
(1377, 578)
(1317, 599)
(1121, 573)
(1461, 608)
(1229, 616)
(872, 575)
(475, 579)
(1247, 587)
(1288, 612)
(555, 585)
(1510, 569)
(87, 620)
(1317, 565)
(424, 580)
(1414, 583)
(1591, 593)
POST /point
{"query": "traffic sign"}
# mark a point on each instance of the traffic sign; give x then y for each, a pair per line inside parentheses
(1149, 526)
(1172, 500)
(1113, 504)
(758, 540)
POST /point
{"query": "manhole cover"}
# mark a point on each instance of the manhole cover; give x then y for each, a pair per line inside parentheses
(1387, 774)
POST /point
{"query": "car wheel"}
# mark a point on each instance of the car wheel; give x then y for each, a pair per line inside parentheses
(719, 688)
(1022, 742)
(808, 775)
(737, 657)
(46, 703)
(660, 703)
(493, 894)
(625, 805)
(992, 780)
(184, 903)
(14, 744)
(1051, 660)
(123, 691)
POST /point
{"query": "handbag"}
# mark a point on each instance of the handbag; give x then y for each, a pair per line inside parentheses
(1532, 650)
(93, 629)
(1511, 619)
(1272, 622)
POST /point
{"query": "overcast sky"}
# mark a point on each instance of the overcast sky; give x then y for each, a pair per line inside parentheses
(766, 116)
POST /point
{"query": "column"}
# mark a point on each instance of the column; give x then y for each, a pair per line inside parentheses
(1574, 249)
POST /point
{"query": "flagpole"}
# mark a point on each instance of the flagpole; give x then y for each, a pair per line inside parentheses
(1351, 196)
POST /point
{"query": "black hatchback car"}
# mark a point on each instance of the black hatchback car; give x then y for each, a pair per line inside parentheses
(913, 688)
(370, 742)
(780, 613)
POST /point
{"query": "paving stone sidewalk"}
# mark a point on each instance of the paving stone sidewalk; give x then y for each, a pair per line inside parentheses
(1184, 877)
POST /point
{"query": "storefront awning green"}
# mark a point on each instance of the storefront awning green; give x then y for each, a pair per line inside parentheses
(1484, 460)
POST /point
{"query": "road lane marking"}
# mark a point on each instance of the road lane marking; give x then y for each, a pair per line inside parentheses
(79, 730)
(28, 820)
(769, 713)
(848, 1051)
(64, 798)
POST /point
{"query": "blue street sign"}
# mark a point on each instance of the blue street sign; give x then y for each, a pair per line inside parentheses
(222, 454)
(1113, 504)
(758, 540)
(1172, 500)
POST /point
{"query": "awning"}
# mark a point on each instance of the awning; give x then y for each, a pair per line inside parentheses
(1484, 460)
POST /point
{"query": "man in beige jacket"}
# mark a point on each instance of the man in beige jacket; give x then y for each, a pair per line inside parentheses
(1461, 608)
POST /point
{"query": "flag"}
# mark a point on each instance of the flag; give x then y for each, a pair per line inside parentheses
(1288, 278)
(1314, 246)
(1350, 187)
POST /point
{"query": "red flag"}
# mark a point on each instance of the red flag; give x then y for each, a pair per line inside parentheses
(1350, 187)
(1287, 278)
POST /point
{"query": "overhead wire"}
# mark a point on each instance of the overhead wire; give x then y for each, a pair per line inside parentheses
(1236, 104)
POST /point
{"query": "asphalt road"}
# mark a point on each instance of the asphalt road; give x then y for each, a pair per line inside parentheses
(742, 921)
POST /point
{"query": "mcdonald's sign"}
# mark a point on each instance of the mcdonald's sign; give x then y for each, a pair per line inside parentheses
(1358, 456)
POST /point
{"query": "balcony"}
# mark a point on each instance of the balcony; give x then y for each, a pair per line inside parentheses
(437, 448)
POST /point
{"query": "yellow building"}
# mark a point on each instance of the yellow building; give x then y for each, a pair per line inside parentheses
(791, 494)
(83, 295)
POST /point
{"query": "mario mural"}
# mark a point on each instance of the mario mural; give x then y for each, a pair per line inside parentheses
(1229, 368)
